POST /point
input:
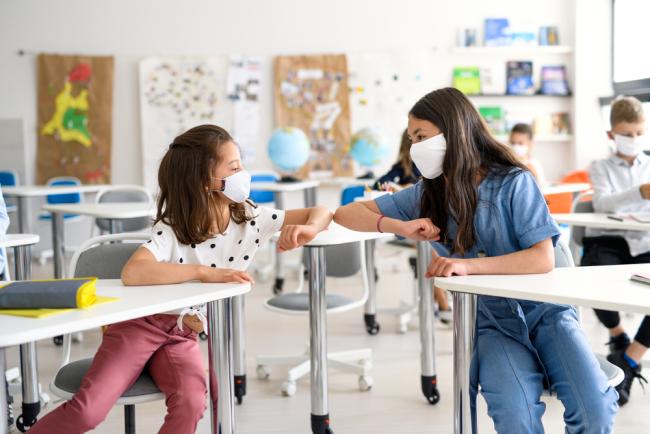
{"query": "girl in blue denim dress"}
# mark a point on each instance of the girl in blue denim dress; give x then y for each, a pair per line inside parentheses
(485, 214)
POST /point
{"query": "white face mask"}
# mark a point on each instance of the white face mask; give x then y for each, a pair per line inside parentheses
(520, 150)
(428, 155)
(236, 187)
(629, 146)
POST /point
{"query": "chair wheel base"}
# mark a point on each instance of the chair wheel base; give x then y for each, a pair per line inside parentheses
(372, 326)
(321, 424)
(29, 416)
(430, 389)
(278, 285)
(240, 388)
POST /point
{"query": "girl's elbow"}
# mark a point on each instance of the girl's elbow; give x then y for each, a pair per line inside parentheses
(128, 276)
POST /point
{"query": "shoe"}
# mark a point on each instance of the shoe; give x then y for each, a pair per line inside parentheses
(446, 316)
(618, 343)
(631, 373)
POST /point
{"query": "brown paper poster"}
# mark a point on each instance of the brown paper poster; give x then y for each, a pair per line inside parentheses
(311, 93)
(75, 103)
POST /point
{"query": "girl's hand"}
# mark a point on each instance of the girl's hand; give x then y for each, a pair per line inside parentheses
(193, 322)
(293, 236)
(223, 275)
(419, 230)
(446, 267)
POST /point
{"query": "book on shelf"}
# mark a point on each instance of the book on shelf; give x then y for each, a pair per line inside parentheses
(560, 123)
(548, 35)
(493, 81)
(519, 77)
(494, 117)
(467, 79)
(553, 80)
(496, 32)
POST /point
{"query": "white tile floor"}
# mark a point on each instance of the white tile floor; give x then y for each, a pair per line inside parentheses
(395, 403)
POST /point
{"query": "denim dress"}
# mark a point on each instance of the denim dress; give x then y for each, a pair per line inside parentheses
(522, 345)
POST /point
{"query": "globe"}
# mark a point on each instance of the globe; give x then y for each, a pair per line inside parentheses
(368, 147)
(289, 149)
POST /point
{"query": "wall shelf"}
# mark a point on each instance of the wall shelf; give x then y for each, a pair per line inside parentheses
(543, 138)
(514, 50)
(506, 95)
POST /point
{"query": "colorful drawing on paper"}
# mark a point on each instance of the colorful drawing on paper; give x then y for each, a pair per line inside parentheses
(311, 94)
(74, 117)
(177, 94)
(383, 86)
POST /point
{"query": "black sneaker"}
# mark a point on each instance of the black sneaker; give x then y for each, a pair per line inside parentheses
(618, 343)
(631, 373)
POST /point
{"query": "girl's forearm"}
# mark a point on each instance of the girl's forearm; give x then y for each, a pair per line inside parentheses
(320, 217)
(145, 272)
(358, 217)
(534, 260)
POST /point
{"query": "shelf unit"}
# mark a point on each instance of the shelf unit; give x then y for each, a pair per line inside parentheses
(545, 138)
(514, 50)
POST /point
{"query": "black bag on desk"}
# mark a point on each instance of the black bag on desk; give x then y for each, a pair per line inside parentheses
(48, 294)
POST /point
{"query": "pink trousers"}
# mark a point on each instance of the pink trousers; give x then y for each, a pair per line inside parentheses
(173, 359)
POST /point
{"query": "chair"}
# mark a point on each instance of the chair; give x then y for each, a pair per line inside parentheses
(344, 260)
(348, 194)
(104, 257)
(581, 204)
(9, 178)
(133, 193)
(57, 199)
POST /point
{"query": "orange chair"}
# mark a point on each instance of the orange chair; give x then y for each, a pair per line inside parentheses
(562, 203)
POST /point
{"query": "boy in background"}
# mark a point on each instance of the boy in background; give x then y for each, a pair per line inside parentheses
(621, 184)
(521, 141)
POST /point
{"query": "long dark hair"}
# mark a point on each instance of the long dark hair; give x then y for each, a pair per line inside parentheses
(471, 151)
(404, 156)
(185, 172)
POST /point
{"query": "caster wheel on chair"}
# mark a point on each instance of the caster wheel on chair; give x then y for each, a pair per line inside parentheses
(263, 372)
(203, 336)
(321, 424)
(58, 340)
(372, 326)
(277, 286)
(430, 389)
(288, 388)
(240, 388)
(365, 383)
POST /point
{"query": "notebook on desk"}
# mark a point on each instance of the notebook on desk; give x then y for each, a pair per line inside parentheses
(642, 278)
(641, 217)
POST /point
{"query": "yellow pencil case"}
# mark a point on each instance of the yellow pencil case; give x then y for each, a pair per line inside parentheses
(49, 294)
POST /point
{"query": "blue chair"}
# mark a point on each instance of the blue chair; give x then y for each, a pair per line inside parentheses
(350, 193)
(259, 196)
(9, 178)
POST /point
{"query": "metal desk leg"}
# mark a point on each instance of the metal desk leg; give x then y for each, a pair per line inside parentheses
(239, 346)
(464, 339)
(320, 419)
(58, 244)
(370, 310)
(4, 409)
(279, 259)
(427, 319)
(28, 360)
(310, 197)
(222, 408)
(23, 224)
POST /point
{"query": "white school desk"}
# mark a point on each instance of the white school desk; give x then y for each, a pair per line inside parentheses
(335, 235)
(565, 188)
(345, 181)
(21, 243)
(136, 302)
(111, 211)
(604, 287)
(598, 220)
(24, 192)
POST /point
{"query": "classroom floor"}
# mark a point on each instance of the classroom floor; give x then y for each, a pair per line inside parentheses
(394, 404)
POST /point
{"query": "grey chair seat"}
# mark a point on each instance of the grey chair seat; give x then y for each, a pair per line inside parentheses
(68, 381)
(613, 373)
(300, 302)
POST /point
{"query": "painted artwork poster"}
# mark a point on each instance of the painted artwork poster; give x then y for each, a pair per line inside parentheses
(311, 93)
(75, 104)
(176, 94)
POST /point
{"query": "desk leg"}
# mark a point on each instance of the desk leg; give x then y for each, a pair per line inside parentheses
(427, 319)
(279, 259)
(318, 341)
(4, 408)
(464, 335)
(310, 197)
(239, 345)
(112, 226)
(58, 244)
(28, 360)
(222, 408)
(370, 310)
(23, 224)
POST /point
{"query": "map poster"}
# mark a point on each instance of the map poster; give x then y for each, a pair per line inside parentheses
(311, 93)
(75, 103)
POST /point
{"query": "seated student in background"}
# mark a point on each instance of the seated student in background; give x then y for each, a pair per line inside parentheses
(205, 230)
(486, 215)
(521, 141)
(621, 184)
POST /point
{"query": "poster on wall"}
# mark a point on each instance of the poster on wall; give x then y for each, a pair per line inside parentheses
(176, 94)
(75, 103)
(243, 89)
(311, 93)
(384, 86)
